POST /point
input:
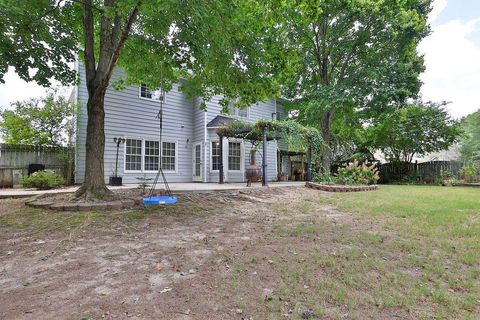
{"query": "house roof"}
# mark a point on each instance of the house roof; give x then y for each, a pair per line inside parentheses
(219, 121)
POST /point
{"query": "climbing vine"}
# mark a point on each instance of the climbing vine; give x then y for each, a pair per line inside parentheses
(295, 135)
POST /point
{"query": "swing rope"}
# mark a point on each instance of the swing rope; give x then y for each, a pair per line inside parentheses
(160, 170)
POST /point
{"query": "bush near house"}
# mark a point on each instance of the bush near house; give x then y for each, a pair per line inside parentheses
(43, 180)
(356, 173)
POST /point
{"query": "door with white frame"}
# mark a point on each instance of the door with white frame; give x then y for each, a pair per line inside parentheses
(197, 162)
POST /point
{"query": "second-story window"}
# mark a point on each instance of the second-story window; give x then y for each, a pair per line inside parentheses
(146, 93)
(238, 112)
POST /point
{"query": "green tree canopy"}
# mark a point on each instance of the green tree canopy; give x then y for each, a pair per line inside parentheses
(350, 56)
(414, 129)
(470, 144)
(216, 47)
(42, 122)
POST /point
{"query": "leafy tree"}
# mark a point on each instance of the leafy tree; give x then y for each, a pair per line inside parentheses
(42, 122)
(350, 56)
(217, 46)
(35, 39)
(414, 129)
(470, 144)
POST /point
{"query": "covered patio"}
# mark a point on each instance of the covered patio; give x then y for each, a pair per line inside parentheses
(292, 163)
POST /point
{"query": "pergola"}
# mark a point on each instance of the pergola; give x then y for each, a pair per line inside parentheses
(264, 131)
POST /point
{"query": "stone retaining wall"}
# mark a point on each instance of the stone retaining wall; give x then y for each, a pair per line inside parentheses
(82, 206)
(339, 188)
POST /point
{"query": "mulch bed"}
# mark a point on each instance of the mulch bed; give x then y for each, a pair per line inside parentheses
(339, 188)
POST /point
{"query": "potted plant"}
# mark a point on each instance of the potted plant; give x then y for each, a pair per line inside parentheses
(281, 176)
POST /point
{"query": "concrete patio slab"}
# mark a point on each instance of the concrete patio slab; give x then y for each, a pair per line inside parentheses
(175, 187)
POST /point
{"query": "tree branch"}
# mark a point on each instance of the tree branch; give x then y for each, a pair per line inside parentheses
(89, 43)
(123, 38)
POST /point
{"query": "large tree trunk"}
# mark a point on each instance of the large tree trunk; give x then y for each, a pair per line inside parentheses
(94, 182)
(112, 39)
(326, 123)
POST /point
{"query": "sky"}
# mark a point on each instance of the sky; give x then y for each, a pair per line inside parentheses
(452, 60)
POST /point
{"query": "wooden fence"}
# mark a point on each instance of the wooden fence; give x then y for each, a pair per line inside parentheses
(14, 162)
(426, 172)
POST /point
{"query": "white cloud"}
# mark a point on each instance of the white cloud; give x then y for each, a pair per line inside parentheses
(15, 89)
(452, 66)
(438, 7)
(452, 61)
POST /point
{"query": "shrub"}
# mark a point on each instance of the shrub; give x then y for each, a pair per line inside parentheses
(43, 180)
(469, 171)
(356, 173)
(324, 178)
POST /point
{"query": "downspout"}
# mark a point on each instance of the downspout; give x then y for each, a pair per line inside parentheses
(205, 144)
(75, 121)
(264, 158)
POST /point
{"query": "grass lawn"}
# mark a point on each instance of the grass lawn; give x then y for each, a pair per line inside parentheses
(401, 252)
(420, 254)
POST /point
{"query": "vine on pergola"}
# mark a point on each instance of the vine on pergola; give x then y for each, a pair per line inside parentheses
(297, 136)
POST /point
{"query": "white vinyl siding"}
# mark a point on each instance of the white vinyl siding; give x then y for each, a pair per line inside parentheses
(234, 156)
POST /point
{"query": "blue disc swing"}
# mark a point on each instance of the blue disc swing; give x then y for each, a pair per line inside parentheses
(166, 198)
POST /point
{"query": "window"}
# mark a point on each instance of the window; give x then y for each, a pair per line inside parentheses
(234, 156)
(168, 156)
(215, 155)
(238, 112)
(133, 155)
(154, 95)
(152, 155)
(144, 155)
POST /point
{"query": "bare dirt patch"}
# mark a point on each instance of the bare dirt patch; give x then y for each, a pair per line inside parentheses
(254, 254)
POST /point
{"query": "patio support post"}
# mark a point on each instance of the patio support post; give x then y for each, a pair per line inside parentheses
(264, 158)
(309, 163)
(220, 171)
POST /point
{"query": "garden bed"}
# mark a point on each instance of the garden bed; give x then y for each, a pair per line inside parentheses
(339, 188)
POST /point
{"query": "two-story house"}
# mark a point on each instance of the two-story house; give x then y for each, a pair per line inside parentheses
(189, 150)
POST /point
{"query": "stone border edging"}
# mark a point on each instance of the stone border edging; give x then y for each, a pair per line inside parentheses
(81, 206)
(339, 188)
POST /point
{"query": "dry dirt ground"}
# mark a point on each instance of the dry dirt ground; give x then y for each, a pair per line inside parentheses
(255, 254)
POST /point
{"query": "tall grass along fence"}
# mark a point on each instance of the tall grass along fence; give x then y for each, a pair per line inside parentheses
(16, 160)
(425, 172)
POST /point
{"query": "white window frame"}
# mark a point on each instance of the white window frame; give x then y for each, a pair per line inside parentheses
(125, 156)
(176, 155)
(236, 112)
(144, 146)
(242, 154)
(143, 155)
(151, 99)
(211, 155)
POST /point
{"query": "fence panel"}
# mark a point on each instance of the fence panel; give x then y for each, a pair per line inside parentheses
(14, 162)
(420, 172)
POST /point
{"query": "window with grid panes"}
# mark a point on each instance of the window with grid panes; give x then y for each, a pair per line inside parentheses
(133, 155)
(215, 155)
(152, 155)
(168, 156)
(234, 156)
